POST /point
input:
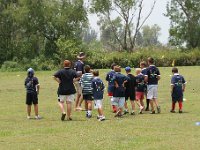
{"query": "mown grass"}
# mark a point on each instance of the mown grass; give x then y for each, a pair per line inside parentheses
(145, 132)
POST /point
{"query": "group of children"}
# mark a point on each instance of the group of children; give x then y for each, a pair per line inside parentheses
(121, 88)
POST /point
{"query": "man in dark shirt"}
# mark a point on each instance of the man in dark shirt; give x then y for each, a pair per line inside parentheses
(177, 88)
(66, 90)
(79, 68)
(152, 76)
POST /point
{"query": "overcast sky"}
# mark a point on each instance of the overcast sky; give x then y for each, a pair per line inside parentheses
(156, 17)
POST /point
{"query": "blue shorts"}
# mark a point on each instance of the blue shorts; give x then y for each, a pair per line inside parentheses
(118, 101)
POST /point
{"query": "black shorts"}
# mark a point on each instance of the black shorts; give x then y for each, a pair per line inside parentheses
(177, 99)
(31, 98)
(88, 97)
(131, 96)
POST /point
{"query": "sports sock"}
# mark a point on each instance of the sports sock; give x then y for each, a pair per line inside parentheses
(173, 105)
(180, 105)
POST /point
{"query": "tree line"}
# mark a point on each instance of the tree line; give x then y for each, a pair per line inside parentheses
(56, 29)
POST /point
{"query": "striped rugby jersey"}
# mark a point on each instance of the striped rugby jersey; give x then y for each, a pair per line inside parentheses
(86, 83)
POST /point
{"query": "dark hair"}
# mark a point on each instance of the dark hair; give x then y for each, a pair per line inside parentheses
(96, 73)
(87, 68)
(113, 65)
(150, 60)
(143, 63)
(117, 68)
(174, 70)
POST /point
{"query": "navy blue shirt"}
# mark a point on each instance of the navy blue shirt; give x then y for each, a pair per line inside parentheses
(152, 72)
(120, 79)
(177, 81)
(30, 84)
(97, 88)
(130, 84)
(110, 78)
(144, 70)
(66, 76)
(140, 84)
(79, 67)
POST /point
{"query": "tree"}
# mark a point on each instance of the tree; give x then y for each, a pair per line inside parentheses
(150, 35)
(185, 22)
(128, 11)
(89, 35)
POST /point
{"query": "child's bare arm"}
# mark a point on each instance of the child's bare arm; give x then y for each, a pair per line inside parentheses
(57, 79)
(172, 87)
(38, 88)
(183, 88)
(116, 84)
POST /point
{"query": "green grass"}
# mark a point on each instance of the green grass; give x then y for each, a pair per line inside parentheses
(144, 132)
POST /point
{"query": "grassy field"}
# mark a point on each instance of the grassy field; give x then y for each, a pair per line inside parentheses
(164, 131)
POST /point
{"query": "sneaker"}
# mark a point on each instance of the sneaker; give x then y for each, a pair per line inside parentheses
(102, 118)
(63, 116)
(28, 117)
(141, 108)
(153, 112)
(180, 111)
(69, 119)
(172, 111)
(132, 113)
(126, 112)
(38, 117)
(89, 116)
(158, 109)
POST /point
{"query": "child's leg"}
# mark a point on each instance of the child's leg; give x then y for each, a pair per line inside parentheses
(29, 110)
(152, 106)
(89, 106)
(133, 105)
(36, 109)
(180, 103)
(62, 107)
(147, 103)
(142, 102)
(69, 107)
(173, 105)
(100, 111)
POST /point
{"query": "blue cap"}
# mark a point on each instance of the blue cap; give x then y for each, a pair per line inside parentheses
(128, 68)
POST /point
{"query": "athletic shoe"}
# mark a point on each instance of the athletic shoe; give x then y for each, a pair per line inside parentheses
(132, 113)
(126, 112)
(180, 111)
(98, 117)
(172, 111)
(153, 112)
(158, 109)
(89, 116)
(63, 116)
(102, 118)
(141, 108)
(28, 117)
(38, 117)
(69, 119)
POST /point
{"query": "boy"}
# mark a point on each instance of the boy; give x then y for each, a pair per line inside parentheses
(119, 90)
(98, 89)
(66, 91)
(109, 77)
(140, 87)
(152, 76)
(143, 66)
(177, 88)
(86, 84)
(130, 90)
(79, 68)
(32, 90)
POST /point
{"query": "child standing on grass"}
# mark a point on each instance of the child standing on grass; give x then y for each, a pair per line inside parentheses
(86, 84)
(119, 90)
(130, 91)
(32, 90)
(177, 88)
(109, 77)
(98, 90)
(140, 87)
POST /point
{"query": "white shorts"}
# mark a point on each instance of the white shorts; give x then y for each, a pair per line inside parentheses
(118, 101)
(152, 92)
(98, 103)
(67, 98)
(78, 87)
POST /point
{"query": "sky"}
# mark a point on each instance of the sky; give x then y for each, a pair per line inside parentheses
(156, 17)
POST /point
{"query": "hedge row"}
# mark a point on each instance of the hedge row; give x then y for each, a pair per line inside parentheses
(163, 58)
